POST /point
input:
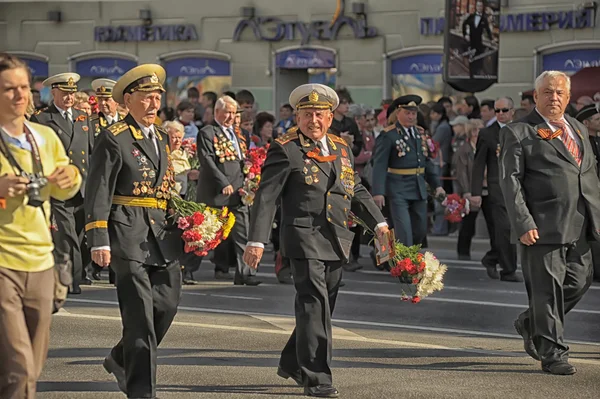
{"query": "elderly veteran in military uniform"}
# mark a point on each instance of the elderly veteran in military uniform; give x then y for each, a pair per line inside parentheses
(128, 227)
(401, 169)
(108, 108)
(74, 130)
(311, 173)
(221, 152)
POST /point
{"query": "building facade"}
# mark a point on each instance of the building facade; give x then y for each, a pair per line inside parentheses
(376, 48)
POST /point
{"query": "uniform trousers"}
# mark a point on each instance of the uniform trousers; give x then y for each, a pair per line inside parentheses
(239, 238)
(68, 237)
(556, 278)
(26, 301)
(491, 257)
(148, 299)
(309, 348)
(409, 218)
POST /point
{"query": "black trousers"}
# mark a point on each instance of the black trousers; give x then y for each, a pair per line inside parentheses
(148, 300)
(358, 237)
(309, 348)
(466, 233)
(556, 277)
(491, 256)
(507, 251)
(69, 237)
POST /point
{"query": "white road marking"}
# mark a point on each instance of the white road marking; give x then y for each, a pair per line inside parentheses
(289, 323)
(250, 298)
(340, 321)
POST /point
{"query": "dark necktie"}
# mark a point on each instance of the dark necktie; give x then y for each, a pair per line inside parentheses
(567, 140)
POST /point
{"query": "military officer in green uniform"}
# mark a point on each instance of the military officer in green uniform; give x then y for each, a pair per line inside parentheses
(401, 169)
(108, 108)
(312, 174)
(127, 227)
(74, 130)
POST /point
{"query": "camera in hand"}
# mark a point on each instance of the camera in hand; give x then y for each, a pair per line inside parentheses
(36, 183)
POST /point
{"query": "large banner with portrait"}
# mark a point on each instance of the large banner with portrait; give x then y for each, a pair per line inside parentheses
(471, 41)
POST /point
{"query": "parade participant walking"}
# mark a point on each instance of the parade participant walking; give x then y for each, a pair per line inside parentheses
(552, 195)
(312, 173)
(127, 227)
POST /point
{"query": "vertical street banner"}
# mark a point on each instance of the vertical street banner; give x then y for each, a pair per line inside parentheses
(471, 42)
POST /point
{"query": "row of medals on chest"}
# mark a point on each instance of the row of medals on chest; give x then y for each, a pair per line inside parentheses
(146, 187)
(224, 149)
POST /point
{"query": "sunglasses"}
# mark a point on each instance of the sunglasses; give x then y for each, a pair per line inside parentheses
(503, 110)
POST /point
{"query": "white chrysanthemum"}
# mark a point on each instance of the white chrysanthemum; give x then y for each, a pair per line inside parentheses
(433, 275)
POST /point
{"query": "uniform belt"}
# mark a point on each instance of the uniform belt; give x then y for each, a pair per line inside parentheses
(412, 171)
(141, 202)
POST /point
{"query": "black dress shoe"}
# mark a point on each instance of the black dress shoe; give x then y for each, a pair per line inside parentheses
(561, 367)
(219, 275)
(75, 290)
(351, 267)
(322, 391)
(513, 278)
(249, 280)
(85, 281)
(96, 276)
(492, 272)
(112, 367)
(296, 375)
(464, 257)
(527, 340)
(285, 278)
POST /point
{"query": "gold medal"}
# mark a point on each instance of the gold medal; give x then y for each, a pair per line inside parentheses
(308, 180)
(314, 169)
(305, 170)
(136, 191)
(159, 194)
(144, 189)
(316, 179)
(222, 160)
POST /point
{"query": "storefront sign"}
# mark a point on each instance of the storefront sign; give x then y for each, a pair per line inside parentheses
(275, 29)
(571, 60)
(305, 58)
(526, 22)
(197, 66)
(140, 33)
(104, 67)
(421, 64)
(36, 67)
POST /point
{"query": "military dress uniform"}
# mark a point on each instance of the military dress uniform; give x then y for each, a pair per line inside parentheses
(126, 211)
(103, 88)
(74, 130)
(402, 167)
(317, 187)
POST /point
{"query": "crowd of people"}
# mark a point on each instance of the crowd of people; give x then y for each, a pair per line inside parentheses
(96, 173)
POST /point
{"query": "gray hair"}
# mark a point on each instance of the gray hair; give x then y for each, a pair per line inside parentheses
(175, 125)
(225, 100)
(552, 75)
(509, 99)
(356, 111)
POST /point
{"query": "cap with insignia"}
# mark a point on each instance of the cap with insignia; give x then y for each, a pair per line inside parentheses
(146, 77)
(587, 112)
(314, 95)
(409, 101)
(63, 81)
(103, 87)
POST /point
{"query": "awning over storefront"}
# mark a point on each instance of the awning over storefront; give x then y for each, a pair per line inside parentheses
(37, 63)
(109, 67)
(197, 66)
(585, 82)
(304, 58)
(571, 61)
(420, 64)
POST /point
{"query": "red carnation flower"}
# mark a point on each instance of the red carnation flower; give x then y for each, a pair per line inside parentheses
(416, 299)
(198, 218)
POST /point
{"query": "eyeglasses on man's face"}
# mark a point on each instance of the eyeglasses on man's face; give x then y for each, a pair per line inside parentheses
(502, 110)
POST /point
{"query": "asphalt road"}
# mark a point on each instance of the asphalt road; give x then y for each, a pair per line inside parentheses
(226, 340)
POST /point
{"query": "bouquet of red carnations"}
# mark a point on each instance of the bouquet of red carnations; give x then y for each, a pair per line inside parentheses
(420, 274)
(255, 159)
(204, 228)
(456, 208)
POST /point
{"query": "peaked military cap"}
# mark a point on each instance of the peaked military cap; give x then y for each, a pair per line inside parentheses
(587, 112)
(146, 77)
(409, 101)
(63, 81)
(103, 87)
(314, 95)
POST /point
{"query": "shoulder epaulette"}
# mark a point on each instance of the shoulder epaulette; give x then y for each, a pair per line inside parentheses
(388, 128)
(117, 128)
(39, 111)
(289, 136)
(94, 117)
(159, 131)
(337, 139)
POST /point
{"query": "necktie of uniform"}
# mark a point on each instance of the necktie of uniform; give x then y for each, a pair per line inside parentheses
(567, 140)
(68, 116)
(322, 149)
(233, 140)
(152, 138)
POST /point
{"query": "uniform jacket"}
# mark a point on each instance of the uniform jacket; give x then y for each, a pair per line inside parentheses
(486, 156)
(543, 186)
(125, 163)
(78, 138)
(220, 166)
(395, 149)
(316, 198)
(100, 122)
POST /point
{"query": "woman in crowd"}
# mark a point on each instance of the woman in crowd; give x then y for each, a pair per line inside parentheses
(442, 134)
(263, 129)
(82, 103)
(247, 121)
(166, 114)
(185, 115)
(179, 157)
(464, 168)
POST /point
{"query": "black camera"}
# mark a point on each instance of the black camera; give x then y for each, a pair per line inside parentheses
(36, 183)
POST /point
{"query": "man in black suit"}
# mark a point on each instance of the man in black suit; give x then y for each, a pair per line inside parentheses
(473, 29)
(221, 152)
(128, 227)
(75, 131)
(312, 173)
(492, 204)
(552, 195)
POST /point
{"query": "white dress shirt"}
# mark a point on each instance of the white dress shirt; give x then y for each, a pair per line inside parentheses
(67, 114)
(569, 128)
(110, 119)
